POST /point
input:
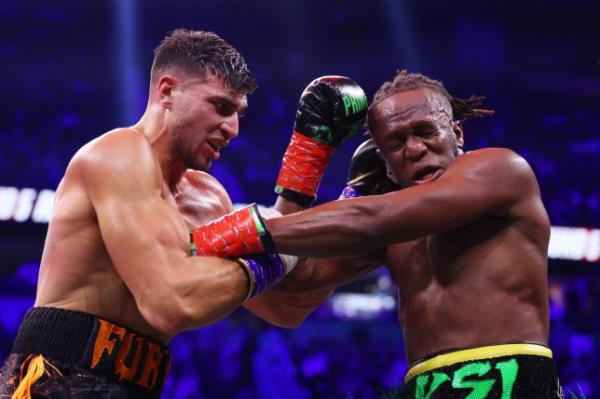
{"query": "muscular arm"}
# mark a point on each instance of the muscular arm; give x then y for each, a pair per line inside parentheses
(306, 287)
(147, 240)
(486, 182)
(312, 281)
(201, 199)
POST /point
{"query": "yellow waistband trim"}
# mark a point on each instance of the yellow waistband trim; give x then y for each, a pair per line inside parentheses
(483, 352)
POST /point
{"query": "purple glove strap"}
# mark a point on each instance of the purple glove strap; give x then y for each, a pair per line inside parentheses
(267, 268)
(348, 192)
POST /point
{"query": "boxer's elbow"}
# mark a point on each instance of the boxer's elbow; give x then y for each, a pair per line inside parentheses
(293, 318)
(281, 309)
(169, 316)
(287, 319)
(184, 314)
(288, 323)
(168, 312)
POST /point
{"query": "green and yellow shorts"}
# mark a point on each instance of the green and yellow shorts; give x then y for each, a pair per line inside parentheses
(508, 371)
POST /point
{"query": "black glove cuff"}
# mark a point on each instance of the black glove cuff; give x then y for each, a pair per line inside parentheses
(296, 197)
(265, 238)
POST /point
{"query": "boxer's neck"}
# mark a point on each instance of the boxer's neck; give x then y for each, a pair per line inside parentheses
(152, 125)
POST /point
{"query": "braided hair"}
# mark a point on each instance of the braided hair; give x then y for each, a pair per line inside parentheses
(462, 109)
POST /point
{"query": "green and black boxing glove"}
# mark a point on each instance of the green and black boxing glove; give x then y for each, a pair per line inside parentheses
(331, 109)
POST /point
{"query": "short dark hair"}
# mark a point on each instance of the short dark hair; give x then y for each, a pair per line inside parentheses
(462, 109)
(201, 52)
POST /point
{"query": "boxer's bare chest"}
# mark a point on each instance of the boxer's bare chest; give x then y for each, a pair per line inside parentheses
(410, 265)
(443, 259)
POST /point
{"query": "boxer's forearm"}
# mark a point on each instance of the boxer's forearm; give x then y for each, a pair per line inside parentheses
(288, 303)
(286, 309)
(202, 290)
(339, 228)
(355, 226)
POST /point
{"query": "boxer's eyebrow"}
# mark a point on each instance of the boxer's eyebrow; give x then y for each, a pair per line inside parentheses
(225, 100)
(230, 104)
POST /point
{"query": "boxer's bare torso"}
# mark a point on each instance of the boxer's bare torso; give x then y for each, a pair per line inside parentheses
(117, 246)
(77, 272)
(466, 239)
(484, 283)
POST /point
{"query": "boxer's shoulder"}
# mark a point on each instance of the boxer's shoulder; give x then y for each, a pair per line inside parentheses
(200, 191)
(502, 178)
(494, 157)
(123, 150)
(123, 144)
(198, 183)
(495, 166)
(196, 179)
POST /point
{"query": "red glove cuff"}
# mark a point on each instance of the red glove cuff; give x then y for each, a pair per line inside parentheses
(237, 233)
(303, 165)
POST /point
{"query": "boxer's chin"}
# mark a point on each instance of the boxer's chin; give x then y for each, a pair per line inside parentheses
(206, 167)
(198, 162)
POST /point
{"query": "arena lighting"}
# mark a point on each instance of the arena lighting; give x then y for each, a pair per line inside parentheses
(129, 83)
(575, 243)
(30, 205)
(25, 204)
(360, 306)
(402, 34)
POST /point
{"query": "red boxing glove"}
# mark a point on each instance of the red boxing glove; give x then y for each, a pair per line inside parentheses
(303, 165)
(237, 233)
(331, 109)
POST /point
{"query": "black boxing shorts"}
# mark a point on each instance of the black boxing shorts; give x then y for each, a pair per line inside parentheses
(69, 354)
(508, 371)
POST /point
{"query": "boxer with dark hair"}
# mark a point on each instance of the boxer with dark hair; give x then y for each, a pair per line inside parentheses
(119, 276)
(116, 280)
(464, 236)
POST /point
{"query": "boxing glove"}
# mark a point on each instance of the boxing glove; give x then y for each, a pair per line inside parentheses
(331, 109)
(367, 173)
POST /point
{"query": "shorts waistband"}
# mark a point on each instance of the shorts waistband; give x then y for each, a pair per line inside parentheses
(476, 353)
(92, 343)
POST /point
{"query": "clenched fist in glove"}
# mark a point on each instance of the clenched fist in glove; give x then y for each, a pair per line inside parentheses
(331, 109)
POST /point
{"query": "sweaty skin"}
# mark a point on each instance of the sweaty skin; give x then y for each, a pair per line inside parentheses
(465, 241)
(117, 246)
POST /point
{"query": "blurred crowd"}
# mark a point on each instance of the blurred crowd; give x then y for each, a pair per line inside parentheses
(242, 357)
(40, 132)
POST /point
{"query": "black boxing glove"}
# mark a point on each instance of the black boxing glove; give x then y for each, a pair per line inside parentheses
(331, 109)
(367, 174)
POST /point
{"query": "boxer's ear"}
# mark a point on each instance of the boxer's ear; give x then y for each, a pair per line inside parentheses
(166, 84)
(458, 133)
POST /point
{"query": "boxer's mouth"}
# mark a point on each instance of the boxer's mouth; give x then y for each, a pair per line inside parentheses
(427, 174)
(215, 144)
